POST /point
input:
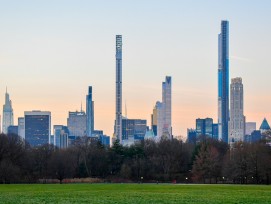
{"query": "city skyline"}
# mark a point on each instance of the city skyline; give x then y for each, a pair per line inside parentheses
(37, 74)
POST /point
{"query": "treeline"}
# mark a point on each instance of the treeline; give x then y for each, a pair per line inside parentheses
(209, 161)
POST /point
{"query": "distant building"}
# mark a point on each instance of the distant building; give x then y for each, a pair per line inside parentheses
(7, 114)
(250, 127)
(134, 129)
(223, 81)
(253, 137)
(61, 136)
(118, 120)
(159, 119)
(191, 136)
(105, 140)
(13, 129)
(166, 100)
(154, 120)
(237, 118)
(77, 122)
(264, 126)
(90, 112)
(21, 130)
(215, 131)
(37, 127)
(204, 127)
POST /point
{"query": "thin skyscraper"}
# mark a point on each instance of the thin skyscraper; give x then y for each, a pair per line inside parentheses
(166, 100)
(90, 112)
(7, 113)
(118, 121)
(223, 81)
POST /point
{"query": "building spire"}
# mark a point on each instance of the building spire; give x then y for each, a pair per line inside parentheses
(81, 107)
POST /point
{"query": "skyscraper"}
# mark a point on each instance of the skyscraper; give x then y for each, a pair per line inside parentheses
(204, 127)
(21, 130)
(237, 119)
(77, 123)
(37, 127)
(223, 81)
(90, 112)
(166, 100)
(118, 121)
(7, 113)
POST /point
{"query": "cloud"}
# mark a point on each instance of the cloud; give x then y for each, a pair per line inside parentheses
(233, 57)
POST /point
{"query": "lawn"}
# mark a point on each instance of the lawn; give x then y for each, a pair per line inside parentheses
(134, 193)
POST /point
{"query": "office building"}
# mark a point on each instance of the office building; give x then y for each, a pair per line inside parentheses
(250, 127)
(204, 127)
(13, 129)
(237, 118)
(7, 114)
(21, 130)
(134, 129)
(37, 127)
(77, 123)
(191, 136)
(90, 112)
(215, 131)
(61, 136)
(223, 81)
(118, 120)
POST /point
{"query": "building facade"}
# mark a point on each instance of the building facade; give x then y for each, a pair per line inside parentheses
(118, 120)
(7, 114)
(37, 125)
(90, 112)
(223, 81)
(237, 118)
(77, 123)
(250, 127)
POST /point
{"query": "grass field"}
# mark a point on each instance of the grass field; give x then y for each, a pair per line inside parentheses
(134, 193)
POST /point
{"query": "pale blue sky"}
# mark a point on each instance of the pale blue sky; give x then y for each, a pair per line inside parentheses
(50, 51)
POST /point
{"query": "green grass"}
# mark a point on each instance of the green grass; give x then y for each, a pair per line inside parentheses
(134, 193)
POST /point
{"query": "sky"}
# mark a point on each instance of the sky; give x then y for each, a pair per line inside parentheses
(51, 51)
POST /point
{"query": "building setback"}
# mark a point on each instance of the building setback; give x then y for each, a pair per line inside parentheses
(37, 127)
(223, 81)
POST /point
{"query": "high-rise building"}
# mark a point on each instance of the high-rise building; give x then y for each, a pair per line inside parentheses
(250, 127)
(204, 127)
(154, 119)
(21, 131)
(37, 127)
(7, 113)
(61, 136)
(237, 118)
(134, 128)
(191, 136)
(166, 100)
(215, 131)
(12, 129)
(118, 121)
(160, 119)
(223, 81)
(77, 123)
(90, 112)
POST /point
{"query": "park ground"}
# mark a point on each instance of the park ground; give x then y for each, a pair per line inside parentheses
(134, 193)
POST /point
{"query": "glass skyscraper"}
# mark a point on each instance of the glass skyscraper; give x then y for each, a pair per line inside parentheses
(223, 81)
(90, 112)
(166, 100)
(118, 121)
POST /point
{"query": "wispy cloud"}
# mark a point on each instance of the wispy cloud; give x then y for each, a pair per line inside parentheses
(241, 58)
